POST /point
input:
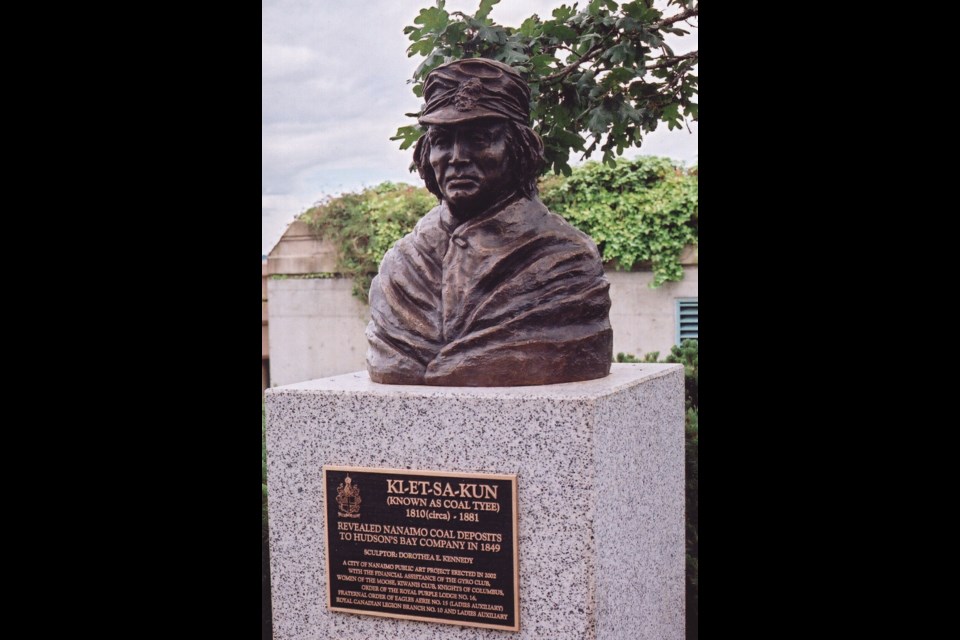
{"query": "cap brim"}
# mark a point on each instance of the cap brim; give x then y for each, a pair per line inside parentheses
(452, 115)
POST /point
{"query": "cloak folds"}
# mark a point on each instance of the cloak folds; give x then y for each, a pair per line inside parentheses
(515, 296)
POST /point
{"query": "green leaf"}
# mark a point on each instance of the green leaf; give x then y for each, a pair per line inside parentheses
(486, 6)
(408, 136)
(586, 41)
(620, 75)
(433, 19)
(628, 24)
(620, 53)
(651, 38)
(562, 167)
(569, 139)
(513, 55)
(455, 33)
(423, 48)
(638, 11)
(563, 13)
(627, 112)
(493, 35)
(559, 31)
(599, 120)
(586, 80)
(433, 61)
(542, 64)
(530, 27)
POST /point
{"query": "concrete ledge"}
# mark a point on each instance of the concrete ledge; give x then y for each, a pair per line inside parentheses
(300, 252)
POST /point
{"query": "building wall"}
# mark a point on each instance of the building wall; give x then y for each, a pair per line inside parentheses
(316, 330)
(644, 319)
(316, 327)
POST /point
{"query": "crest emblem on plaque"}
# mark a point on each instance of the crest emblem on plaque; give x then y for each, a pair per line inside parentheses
(348, 499)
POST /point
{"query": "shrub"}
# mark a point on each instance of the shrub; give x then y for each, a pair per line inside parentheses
(640, 211)
(365, 225)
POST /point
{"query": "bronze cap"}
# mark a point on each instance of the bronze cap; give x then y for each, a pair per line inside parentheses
(475, 88)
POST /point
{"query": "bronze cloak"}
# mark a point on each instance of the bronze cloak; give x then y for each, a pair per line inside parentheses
(515, 296)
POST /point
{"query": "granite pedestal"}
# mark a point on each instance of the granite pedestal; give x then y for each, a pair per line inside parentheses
(600, 469)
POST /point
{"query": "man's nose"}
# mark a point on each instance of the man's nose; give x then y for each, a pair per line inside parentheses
(458, 154)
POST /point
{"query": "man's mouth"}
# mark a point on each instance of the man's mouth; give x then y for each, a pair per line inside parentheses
(462, 181)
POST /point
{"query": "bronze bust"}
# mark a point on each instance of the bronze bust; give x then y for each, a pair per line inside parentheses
(490, 288)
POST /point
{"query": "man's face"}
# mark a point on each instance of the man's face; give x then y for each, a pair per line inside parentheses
(470, 164)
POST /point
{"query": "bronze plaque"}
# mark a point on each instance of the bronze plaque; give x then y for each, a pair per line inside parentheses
(423, 545)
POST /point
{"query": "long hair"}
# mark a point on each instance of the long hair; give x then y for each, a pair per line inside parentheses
(525, 153)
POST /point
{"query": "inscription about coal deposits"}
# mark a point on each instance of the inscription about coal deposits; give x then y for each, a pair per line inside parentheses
(423, 545)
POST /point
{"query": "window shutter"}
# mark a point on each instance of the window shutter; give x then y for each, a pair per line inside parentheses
(688, 319)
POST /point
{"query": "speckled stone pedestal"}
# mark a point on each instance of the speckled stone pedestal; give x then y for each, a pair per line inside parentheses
(600, 484)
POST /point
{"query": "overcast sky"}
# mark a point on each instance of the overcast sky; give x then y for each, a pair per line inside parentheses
(334, 90)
